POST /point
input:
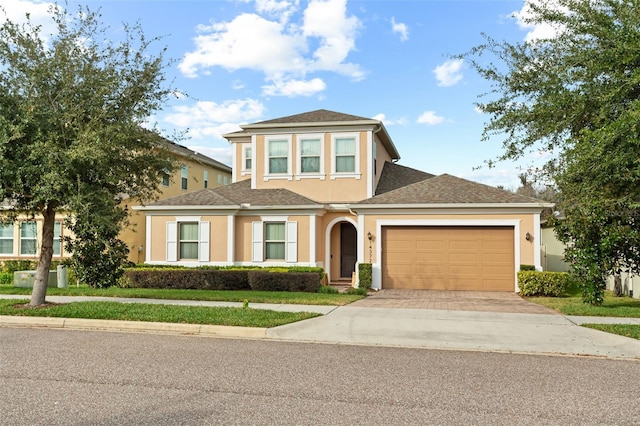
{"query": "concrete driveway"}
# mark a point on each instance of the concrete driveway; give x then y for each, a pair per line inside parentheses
(479, 301)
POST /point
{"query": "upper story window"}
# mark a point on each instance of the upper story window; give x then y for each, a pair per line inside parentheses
(166, 178)
(28, 238)
(278, 158)
(206, 179)
(6, 238)
(247, 158)
(345, 156)
(184, 177)
(310, 153)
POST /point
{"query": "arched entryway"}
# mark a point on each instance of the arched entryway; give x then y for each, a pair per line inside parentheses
(342, 249)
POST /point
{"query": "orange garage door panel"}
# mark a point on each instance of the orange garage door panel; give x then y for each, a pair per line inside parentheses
(448, 258)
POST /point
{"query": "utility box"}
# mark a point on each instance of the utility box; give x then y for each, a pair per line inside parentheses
(25, 279)
(63, 276)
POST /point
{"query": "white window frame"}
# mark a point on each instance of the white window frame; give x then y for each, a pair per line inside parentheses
(57, 238)
(173, 239)
(11, 238)
(356, 173)
(258, 242)
(184, 178)
(205, 179)
(166, 178)
(247, 149)
(314, 175)
(277, 138)
(35, 238)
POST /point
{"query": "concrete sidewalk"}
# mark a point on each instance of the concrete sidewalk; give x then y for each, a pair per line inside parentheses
(547, 334)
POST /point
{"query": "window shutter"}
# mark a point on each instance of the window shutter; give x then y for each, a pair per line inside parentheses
(203, 242)
(256, 242)
(291, 242)
(172, 243)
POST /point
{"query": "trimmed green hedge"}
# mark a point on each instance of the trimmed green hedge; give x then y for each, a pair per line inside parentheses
(535, 283)
(364, 275)
(225, 278)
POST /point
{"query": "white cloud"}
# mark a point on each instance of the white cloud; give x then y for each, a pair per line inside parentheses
(283, 49)
(507, 178)
(449, 73)
(293, 88)
(430, 118)
(389, 122)
(210, 119)
(537, 31)
(400, 28)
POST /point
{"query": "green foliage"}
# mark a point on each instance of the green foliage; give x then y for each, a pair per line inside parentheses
(284, 281)
(527, 268)
(535, 283)
(327, 289)
(202, 279)
(361, 291)
(364, 275)
(71, 109)
(18, 265)
(576, 95)
(6, 278)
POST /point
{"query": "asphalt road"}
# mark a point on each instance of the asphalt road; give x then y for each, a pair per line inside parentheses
(61, 377)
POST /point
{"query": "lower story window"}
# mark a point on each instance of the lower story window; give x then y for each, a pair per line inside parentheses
(57, 245)
(188, 240)
(6, 238)
(274, 240)
(28, 238)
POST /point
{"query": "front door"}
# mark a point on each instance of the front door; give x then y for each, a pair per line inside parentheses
(348, 250)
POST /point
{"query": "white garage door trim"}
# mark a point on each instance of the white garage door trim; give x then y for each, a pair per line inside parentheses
(377, 267)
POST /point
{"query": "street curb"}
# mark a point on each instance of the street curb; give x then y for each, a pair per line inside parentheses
(134, 326)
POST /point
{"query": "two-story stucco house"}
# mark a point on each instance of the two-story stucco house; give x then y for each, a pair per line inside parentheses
(22, 240)
(323, 188)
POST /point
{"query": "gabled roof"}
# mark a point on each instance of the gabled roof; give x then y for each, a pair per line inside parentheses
(236, 194)
(318, 119)
(193, 155)
(447, 189)
(317, 116)
(394, 176)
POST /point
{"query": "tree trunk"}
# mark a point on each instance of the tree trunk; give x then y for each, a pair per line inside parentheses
(44, 263)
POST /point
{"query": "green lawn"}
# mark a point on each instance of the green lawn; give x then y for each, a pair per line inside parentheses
(242, 317)
(627, 330)
(276, 297)
(611, 307)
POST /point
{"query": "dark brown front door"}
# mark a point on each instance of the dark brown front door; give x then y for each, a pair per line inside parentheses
(348, 250)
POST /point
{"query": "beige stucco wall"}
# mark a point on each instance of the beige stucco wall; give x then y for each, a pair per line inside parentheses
(135, 235)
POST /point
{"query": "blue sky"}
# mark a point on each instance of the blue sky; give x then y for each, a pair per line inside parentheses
(242, 61)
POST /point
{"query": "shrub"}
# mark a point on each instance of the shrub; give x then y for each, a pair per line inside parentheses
(364, 275)
(19, 265)
(327, 289)
(6, 277)
(360, 290)
(527, 268)
(535, 283)
(284, 281)
(201, 279)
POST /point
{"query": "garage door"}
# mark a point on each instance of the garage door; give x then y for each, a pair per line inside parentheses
(448, 258)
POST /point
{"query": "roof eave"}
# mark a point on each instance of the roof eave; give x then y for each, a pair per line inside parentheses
(453, 206)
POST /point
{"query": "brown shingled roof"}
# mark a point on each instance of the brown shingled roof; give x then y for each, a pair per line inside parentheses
(447, 189)
(395, 176)
(235, 194)
(317, 116)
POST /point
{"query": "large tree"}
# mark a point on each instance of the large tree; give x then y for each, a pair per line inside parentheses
(576, 94)
(72, 105)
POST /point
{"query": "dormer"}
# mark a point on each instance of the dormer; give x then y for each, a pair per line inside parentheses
(324, 155)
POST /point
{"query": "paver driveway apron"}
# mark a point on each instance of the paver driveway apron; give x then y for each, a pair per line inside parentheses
(485, 301)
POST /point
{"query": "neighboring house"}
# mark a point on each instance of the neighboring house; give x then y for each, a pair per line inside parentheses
(323, 188)
(22, 240)
(552, 255)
